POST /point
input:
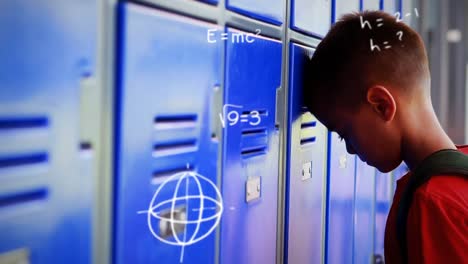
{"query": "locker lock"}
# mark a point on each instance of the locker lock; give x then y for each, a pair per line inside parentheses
(343, 161)
(178, 216)
(306, 170)
(252, 189)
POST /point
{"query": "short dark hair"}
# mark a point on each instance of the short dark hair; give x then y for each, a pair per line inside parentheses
(347, 61)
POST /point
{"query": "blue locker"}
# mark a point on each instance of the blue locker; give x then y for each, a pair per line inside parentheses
(306, 178)
(210, 1)
(340, 218)
(250, 151)
(271, 11)
(311, 16)
(341, 182)
(383, 201)
(364, 213)
(341, 7)
(47, 48)
(166, 149)
(372, 4)
(391, 6)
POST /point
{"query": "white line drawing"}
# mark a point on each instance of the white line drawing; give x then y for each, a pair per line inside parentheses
(233, 116)
(255, 114)
(387, 46)
(156, 218)
(235, 37)
(248, 35)
(223, 114)
(224, 36)
(364, 23)
(374, 46)
(209, 34)
(379, 20)
(400, 34)
(397, 17)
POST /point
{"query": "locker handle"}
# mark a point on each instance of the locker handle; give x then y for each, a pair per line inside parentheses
(89, 112)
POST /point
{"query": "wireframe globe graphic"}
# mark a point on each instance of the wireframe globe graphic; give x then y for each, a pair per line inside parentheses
(202, 204)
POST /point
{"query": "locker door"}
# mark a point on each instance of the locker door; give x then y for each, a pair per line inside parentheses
(383, 201)
(364, 213)
(391, 6)
(47, 48)
(271, 11)
(340, 220)
(311, 16)
(250, 151)
(342, 7)
(166, 152)
(305, 188)
(372, 4)
(210, 1)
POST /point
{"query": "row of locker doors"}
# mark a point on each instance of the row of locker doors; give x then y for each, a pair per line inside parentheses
(168, 83)
(176, 137)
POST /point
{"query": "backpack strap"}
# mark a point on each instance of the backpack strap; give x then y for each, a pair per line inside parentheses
(443, 162)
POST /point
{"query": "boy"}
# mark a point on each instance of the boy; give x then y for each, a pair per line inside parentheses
(369, 82)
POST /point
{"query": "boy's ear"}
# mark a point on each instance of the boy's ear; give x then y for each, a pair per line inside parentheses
(382, 102)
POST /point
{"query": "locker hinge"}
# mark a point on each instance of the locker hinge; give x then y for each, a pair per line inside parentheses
(280, 107)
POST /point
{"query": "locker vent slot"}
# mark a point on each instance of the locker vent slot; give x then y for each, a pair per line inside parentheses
(308, 124)
(254, 142)
(23, 122)
(307, 140)
(23, 160)
(249, 152)
(253, 132)
(175, 121)
(172, 148)
(173, 171)
(23, 197)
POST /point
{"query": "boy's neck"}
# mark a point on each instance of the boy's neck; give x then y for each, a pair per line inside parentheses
(424, 137)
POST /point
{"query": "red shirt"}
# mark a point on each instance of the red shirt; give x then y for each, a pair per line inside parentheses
(437, 227)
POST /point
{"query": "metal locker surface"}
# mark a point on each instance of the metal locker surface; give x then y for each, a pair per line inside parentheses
(364, 212)
(210, 1)
(166, 151)
(47, 47)
(271, 11)
(391, 6)
(311, 16)
(341, 184)
(372, 4)
(383, 201)
(250, 151)
(305, 189)
(342, 7)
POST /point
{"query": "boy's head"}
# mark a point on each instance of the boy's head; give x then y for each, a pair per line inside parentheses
(363, 81)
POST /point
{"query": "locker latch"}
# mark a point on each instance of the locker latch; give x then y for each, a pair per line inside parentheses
(343, 161)
(252, 189)
(20, 255)
(307, 170)
(172, 222)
